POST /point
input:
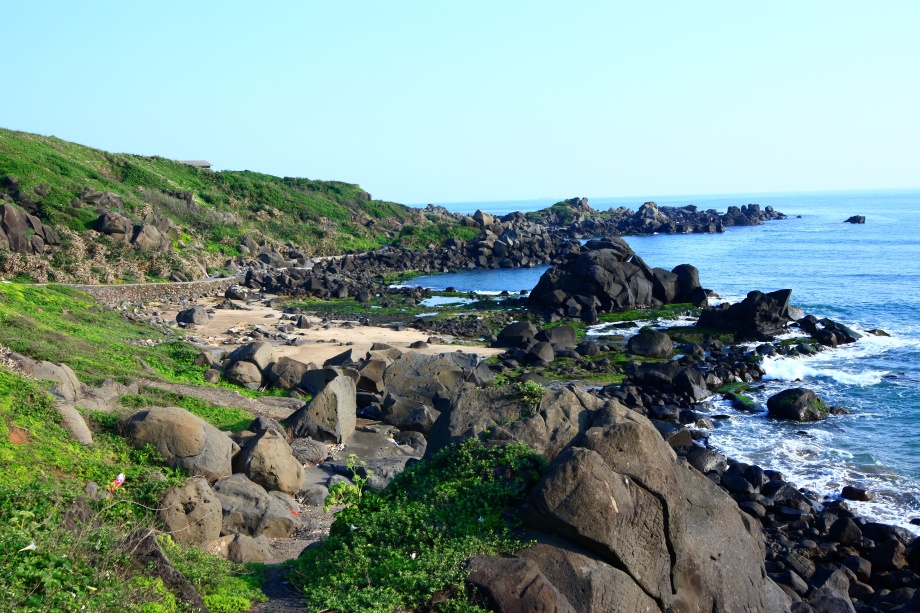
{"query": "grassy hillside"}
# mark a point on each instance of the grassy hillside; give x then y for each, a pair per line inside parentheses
(214, 210)
(48, 562)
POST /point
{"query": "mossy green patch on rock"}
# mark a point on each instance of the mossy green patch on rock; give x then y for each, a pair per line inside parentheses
(798, 404)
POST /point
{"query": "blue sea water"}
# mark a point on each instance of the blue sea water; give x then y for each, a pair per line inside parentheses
(865, 276)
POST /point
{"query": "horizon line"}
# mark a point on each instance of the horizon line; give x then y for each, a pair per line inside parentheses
(685, 195)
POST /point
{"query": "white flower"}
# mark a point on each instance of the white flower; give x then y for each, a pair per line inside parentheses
(353, 527)
(412, 555)
(30, 547)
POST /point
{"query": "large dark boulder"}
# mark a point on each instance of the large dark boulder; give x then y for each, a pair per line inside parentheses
(248, 509)
(14, 222)
(148, 239)
(245, 374)
(191, 513)
(589, 583)
(267, 459)
(116, 225)
(601, 274)
(287, 373)
(331, 415)
(797, 404)
(185, 440)
(515, 334)
(858, 219)
(408, 414)
(547, 427)
(651, 343)
(560, 337)
(608, 276)
(261, 354)
(193, 316)
(621, 494)
(759, 316)
(515, 585)
(422, 376)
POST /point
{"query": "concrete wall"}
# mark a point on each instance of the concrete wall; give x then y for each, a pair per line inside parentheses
(114, 295)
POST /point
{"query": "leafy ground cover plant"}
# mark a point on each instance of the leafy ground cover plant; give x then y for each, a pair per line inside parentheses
(397, 548)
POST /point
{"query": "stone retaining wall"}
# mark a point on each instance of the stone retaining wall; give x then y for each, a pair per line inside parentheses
(113, 295)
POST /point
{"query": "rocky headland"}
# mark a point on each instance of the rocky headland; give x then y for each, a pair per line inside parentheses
(545, 452)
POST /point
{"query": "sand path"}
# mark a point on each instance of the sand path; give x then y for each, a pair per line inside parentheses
(230, 327)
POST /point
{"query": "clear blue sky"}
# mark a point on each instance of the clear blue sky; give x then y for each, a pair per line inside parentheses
(430, 101)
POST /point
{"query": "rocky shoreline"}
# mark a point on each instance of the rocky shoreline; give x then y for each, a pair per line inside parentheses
(629, 462)
(514, 240)
(817, 551)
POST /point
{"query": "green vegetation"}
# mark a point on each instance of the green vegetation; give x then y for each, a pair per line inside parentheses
(397, 548)
(698, 335)
(58, 553)
(738, 386)
(61, 324)
(344, 493)
(667, 311)
(224, 418)
(226, 587)
(562, 209)
(735, 393)
(530, 392)
(420, 236)
(214, 210)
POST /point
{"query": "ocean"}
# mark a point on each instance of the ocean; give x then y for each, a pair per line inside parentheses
(864, 276)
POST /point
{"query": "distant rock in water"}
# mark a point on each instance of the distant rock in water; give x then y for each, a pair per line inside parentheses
(856, 219)
(574, 218)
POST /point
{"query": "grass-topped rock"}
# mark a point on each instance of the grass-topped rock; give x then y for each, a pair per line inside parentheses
(797, 404)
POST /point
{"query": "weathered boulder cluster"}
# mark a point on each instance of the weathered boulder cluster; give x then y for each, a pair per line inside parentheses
(618, 522)
(68, 392)
(606, 275)
(242, 485)
(510, 243)
(578, 219)
(24, 233)
(817, 550)
(154, 233)
(245, 486)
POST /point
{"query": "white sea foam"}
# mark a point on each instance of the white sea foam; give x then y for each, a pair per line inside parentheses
(786, 369)
(812, 462)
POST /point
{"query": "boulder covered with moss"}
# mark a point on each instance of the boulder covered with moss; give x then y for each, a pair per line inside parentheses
(797, 404)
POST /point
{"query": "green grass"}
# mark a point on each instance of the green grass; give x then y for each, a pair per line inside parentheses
(61, 324)
(668, 311)
(321, 217)
(738, 386)
(42, 471)
(224, 418)
(227, 587)
(396, 548)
